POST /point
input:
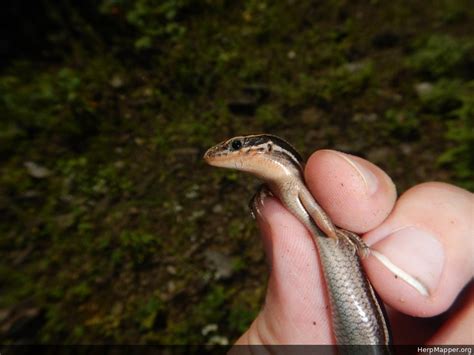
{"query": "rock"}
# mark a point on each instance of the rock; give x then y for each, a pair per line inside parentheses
(171, 287)
(196, 214)
(354, 67)
(423, 88)
(217, 208)
(37, 171)
(218, 340)
(30, 194)
(171, 270)
(193, 192)
(116, 82)
(221, 263)
(406, 149)
(365, 117)
(209, 328)
(119, 164)
(64, 221)
(139, 141)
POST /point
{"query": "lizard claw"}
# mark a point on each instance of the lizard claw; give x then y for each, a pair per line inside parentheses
(257, 201)
(357, 243)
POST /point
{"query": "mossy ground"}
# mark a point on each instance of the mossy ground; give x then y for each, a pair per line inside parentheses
(114, 232)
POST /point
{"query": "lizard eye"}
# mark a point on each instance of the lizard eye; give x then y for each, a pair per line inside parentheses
(236, 145)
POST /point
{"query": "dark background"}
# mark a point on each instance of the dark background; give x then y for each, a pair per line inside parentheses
(112, 228)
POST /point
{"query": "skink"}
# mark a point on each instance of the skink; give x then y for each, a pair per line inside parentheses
(358, 316)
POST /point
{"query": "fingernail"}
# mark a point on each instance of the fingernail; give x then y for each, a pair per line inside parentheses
(369, 179)
(417, 252)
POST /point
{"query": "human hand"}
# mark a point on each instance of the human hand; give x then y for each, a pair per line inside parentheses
(427, 232)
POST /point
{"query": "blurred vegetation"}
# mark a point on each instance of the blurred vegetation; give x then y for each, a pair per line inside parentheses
(113, 230)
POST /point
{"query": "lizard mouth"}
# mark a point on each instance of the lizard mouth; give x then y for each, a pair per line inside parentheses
(211, 154)
(216, 157)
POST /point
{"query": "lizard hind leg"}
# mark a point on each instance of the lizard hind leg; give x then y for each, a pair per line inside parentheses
(319, 217)
(356, 242)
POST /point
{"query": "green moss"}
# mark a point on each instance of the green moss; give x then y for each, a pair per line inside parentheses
(402, 124)
(443, 98)
(458, 156)
(440, 55)
(268, 116)
(80, 291)
(240, 318)
(349, 79)
(136, 246)
(18, 283)
(148, 313)
(152, 19)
